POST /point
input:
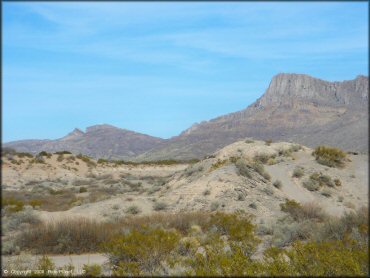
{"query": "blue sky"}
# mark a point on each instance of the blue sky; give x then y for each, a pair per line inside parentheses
(157, 68)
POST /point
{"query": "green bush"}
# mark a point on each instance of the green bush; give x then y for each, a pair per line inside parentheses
(92, 270)
(141, 251)
(328, 156)
(333, 258)
(83, 189)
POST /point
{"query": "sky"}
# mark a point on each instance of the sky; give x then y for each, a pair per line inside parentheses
(157, 68)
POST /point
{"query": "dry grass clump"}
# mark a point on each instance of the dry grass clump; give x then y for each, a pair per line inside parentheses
(300, 212)
(260, 169)
(133, 209)
(243, 168)
(160, 206)
(329, 156)
(298, 172)
(67, 236)
(218, 164)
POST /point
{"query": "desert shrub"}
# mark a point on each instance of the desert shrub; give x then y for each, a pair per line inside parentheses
(236, 226)
(248, 141)
(337, 182)
(260, 169)
(102, 161)
(352, 225)
(311, 185)
(214, 206)
(277, 184)
(55, 191)
(24, 154)
(218, 164)
(66, 236)
(206, 192)
(92, 270)
(328, 156)
(263, 158)
(240, 197)
(334, 258)
(300, 212)
(14, 220)
(81, 182)
(326, 193)
(45, 264)
(322, 179)
(89, 162)
(153, 189)
(159, 206)
(243, 168)
(63, 152)
(140, 251)
(295, 148)
(133, 210)
(286, 230)
(83, 189)
(38, 159)
(60, 158)
(253, 205)
(9, 246)
(268, 142)
(12, 204)
(35, 203)
(298, 172)
(43, 153)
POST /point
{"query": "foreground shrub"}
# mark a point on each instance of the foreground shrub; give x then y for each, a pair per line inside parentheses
(92, 270)
(333, 258)
(66, 236)
(140, 251)
(328, 156)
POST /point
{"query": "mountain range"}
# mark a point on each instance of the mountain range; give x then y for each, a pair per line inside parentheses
(295, 107)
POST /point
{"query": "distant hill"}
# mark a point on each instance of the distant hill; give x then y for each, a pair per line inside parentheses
(104, 141)
(295, 107)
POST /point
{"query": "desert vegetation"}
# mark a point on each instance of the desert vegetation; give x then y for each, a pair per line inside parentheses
(328, 156)
(212, 243)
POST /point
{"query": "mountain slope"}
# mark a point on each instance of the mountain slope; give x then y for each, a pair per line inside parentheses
(295, 107)
(98, 141)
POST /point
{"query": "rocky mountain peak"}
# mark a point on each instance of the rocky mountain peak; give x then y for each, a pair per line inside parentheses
(290, 89)
(73, 134)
